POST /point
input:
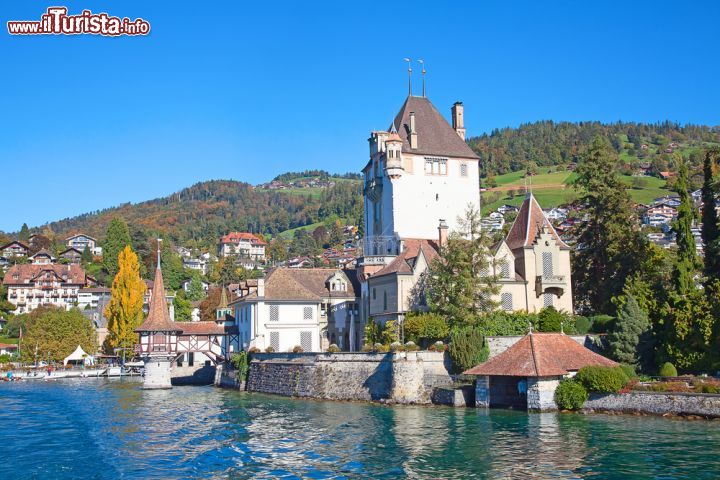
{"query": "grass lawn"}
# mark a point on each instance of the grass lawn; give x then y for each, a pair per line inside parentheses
(289, 234)
(559, 195)
(9, 340)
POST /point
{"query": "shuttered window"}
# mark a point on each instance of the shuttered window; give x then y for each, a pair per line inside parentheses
(274, 313)
(547, 299)
(547, 264)
(505, 270)
(275, 341)
(306, 341)
(307, 313)
(506, 300)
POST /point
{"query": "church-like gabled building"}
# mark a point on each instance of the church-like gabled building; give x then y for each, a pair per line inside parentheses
(533, 263)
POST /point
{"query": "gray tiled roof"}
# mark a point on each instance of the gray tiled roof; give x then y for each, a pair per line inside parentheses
(435, 136)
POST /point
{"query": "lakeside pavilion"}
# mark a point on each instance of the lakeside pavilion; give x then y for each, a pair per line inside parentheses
(527, 374)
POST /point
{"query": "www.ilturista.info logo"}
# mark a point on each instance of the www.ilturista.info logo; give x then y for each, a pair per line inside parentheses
(57, 22)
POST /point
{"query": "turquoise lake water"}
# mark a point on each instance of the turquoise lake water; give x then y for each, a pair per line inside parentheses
(112, 429)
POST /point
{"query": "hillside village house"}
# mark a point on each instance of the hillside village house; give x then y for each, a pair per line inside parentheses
(14, 249)
(81, 241)
(242, 244)
(72, 255)
(310, 308)
(420, 179)
(30, 286)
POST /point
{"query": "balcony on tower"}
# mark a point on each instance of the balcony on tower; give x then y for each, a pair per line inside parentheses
(555, 284)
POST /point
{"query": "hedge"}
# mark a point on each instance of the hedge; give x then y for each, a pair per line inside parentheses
(600, 379)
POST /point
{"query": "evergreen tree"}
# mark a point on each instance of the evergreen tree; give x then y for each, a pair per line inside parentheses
(710, 228)
(24, 235)
(195, 289)
(172, 267)
(117, 238)
(461, 283)
(125, 309)
(686, 261)
(87, 256)
(610, 244)
(183, 307)
(631, 327)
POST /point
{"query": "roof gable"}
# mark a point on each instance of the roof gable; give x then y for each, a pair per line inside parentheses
(528, 224)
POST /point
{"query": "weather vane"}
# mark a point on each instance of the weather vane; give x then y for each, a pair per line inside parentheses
(422, 62)
(409, 76)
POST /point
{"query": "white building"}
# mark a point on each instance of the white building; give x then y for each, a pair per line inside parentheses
(30, 286)
(242, 244)
(198, 264)
(309, 308)
(91, 298)
(81, 241)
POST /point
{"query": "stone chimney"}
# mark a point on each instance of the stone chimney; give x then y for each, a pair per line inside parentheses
(413, 132)
(442, 233)
(261, 287)
(458, 122)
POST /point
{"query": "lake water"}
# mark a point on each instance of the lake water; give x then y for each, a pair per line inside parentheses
(112, 429)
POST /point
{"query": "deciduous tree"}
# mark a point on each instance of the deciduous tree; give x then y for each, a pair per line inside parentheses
(124, 311)
(461, 282)
(55, 333)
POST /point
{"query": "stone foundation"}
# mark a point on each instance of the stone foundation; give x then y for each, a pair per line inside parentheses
(402, 377)
(656, 403)
(463, 396)
(157, 373)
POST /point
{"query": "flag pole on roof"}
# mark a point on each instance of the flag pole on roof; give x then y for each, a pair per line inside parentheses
(422, 62)
(409, 76)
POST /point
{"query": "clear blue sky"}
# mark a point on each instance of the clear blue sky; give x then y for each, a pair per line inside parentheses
(247, 90)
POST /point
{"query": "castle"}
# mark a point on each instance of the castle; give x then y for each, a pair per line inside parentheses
(419, 181)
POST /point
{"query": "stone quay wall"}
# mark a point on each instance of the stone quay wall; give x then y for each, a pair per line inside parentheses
(400, 377)
(656, 403)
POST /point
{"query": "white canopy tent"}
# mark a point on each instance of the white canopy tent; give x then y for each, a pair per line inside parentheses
(79, 355)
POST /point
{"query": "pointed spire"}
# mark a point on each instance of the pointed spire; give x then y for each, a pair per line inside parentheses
(158, 252)
(158, 318)
(223, 298)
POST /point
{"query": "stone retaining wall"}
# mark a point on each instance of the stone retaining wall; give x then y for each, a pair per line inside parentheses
(402, 377)
(656, 403)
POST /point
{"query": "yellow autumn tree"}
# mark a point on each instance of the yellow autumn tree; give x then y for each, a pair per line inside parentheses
(124, 311)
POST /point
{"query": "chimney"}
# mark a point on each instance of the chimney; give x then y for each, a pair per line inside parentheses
(458, 122)
(442, 233)
(413, 132)
(261, 287)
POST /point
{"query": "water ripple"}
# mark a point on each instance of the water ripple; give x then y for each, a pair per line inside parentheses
(99, 429)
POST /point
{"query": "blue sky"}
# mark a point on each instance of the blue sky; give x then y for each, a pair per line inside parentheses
(247, 90)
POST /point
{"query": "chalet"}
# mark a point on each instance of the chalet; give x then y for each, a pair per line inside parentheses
(81, 241)
(30, 286)
(310, 308)
(527, 374)
(72, 255)
(242, 244)
(15, 249)
(198, 264)
(92, 297)
(43, 257)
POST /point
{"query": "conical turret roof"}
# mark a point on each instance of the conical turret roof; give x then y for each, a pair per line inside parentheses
(158, 319)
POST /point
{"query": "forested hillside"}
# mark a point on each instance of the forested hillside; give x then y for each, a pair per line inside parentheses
(201, 213)
(547, 143)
